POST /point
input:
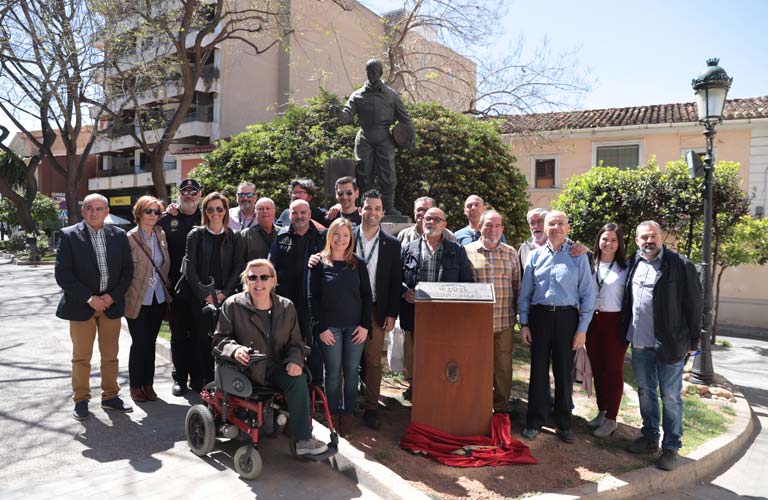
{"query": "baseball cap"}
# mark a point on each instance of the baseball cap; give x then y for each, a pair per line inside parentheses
(189, 183)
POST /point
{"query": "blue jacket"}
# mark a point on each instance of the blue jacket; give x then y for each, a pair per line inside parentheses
(455, 269)
(77, 272)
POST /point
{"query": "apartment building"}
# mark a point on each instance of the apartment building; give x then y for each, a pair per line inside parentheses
(328, 48)
(551, 147)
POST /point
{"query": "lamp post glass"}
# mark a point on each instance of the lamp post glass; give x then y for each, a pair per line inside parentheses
(711, 89)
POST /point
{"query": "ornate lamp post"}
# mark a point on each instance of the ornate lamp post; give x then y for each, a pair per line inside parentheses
(711, 88)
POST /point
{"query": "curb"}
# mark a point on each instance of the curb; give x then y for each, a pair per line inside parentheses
(703, 462)
(349, 461)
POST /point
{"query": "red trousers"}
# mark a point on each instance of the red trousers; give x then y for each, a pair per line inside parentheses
(606, 350)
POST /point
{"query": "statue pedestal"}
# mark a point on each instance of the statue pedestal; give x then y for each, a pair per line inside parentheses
(334, 169)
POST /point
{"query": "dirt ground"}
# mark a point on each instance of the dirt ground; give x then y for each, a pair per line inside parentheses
(560, 465)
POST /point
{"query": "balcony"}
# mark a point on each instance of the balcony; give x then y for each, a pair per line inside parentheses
(125, 175)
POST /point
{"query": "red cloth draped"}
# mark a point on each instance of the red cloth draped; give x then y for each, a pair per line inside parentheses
(468, 451)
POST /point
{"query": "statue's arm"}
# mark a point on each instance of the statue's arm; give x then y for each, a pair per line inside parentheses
(346, 114)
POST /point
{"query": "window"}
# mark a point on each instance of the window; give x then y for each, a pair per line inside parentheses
(544, 172)
(618, 155)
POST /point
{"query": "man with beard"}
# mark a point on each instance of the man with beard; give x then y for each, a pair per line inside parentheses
(430, 258)
(243, 215)
(177, 224)
(661, 318)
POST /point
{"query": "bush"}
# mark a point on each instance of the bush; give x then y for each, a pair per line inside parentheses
(17, 243)
(455, 156)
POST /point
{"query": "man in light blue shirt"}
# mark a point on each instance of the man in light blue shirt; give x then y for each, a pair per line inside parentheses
(556, 303)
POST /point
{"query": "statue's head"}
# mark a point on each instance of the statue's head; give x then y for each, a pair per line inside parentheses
(374, 69)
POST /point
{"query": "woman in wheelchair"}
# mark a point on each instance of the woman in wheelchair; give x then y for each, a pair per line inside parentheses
(259, 319)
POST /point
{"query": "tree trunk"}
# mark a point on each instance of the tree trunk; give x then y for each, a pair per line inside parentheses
(717, 302)
(73, 176)
(158, 177)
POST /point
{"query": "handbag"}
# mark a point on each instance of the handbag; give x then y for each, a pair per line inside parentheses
(167, 312)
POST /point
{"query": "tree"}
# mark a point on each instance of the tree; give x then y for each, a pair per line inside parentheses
(167, 47)
(45, 211)
(48, 62)
(455, 156)
(495, 81)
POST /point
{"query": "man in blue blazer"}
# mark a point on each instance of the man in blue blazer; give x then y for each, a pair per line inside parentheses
(94, 269)
(381, 253)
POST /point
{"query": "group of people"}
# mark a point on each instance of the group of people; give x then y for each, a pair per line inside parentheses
(335, 281)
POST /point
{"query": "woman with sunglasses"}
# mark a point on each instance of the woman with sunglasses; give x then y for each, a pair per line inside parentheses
(340, 305)
(213, 251)
(148, 295)
(606, 345)
(261, 320)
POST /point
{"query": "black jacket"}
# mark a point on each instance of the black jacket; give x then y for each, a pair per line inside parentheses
(388, 269)
(176, 228)
(197, 263)
(677, 307)
(455, 268)
(77, 272)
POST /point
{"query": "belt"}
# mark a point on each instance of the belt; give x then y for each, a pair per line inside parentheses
(547, 307)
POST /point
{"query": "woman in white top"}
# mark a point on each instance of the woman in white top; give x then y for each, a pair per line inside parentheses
(606, 345)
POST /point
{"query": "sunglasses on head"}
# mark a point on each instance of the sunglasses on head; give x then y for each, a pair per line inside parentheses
(151, 211)
(211, 210)
(246, 195)
(189, 192)
(348, 192)
(262, 277)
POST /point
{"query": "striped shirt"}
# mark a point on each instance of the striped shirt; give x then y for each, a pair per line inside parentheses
(99, 242)
(500, 267)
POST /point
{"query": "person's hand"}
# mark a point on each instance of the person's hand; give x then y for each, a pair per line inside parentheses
(314, 260)
(578, 249)
(107, 299)
(359, 335)
(173, 209)
(410, 296)
(334, 211)
(334, 111)
(525, 335)
(579, 340)
(389, 323)
(328, 338)
(220, 297)
(208, 299)
(242, 356)
(97, 303)
(293, 369)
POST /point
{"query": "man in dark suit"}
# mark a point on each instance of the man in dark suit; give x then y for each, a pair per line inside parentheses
(430, 258)
(94, 269)
(381, 253)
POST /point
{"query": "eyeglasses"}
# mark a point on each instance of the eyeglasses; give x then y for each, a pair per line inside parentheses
(246, 195)
(262, 277)
(348, 192)
(152, 211)
(211, 210)
(297, 192)
(432, 218)
(189, 192)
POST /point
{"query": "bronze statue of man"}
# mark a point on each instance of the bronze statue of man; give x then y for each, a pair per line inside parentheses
(377, 107)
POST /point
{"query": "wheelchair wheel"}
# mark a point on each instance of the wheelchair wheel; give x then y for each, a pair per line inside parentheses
(200, 428)
(248, 462)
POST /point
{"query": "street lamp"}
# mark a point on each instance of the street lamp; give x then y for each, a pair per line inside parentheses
(711, 88)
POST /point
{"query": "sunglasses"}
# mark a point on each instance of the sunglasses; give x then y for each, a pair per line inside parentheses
(211, 210)
(152, 211)
(246, 195)
(348, 192)
(262, 277)
(433, 219)
(189, 192)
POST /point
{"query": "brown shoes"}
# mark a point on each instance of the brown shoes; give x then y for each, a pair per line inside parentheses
(149, 393)
(137, 394)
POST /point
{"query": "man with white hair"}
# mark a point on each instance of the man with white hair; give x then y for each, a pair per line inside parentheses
(94, 268)
(258, 238)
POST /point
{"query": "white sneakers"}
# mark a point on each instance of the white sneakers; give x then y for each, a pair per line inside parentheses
(311, 446)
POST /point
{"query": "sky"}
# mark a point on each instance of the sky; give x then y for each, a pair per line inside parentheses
(640, 53)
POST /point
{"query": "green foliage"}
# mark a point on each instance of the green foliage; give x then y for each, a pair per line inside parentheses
(44, 211)
(455, 156)
(670, 197)
(17, 242)
(746, 243)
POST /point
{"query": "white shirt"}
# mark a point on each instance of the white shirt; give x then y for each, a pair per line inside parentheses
(367, 250)
(611, 293)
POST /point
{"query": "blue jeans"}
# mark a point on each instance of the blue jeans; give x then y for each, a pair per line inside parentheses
(342, 360)
(651, 376)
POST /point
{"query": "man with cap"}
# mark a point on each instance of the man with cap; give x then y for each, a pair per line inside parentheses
(176, 228)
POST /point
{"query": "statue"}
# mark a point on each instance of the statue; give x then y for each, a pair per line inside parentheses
(377, 106)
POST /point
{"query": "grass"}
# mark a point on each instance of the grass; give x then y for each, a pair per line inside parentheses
(701, 422)
(724, 343)
(165, 331)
